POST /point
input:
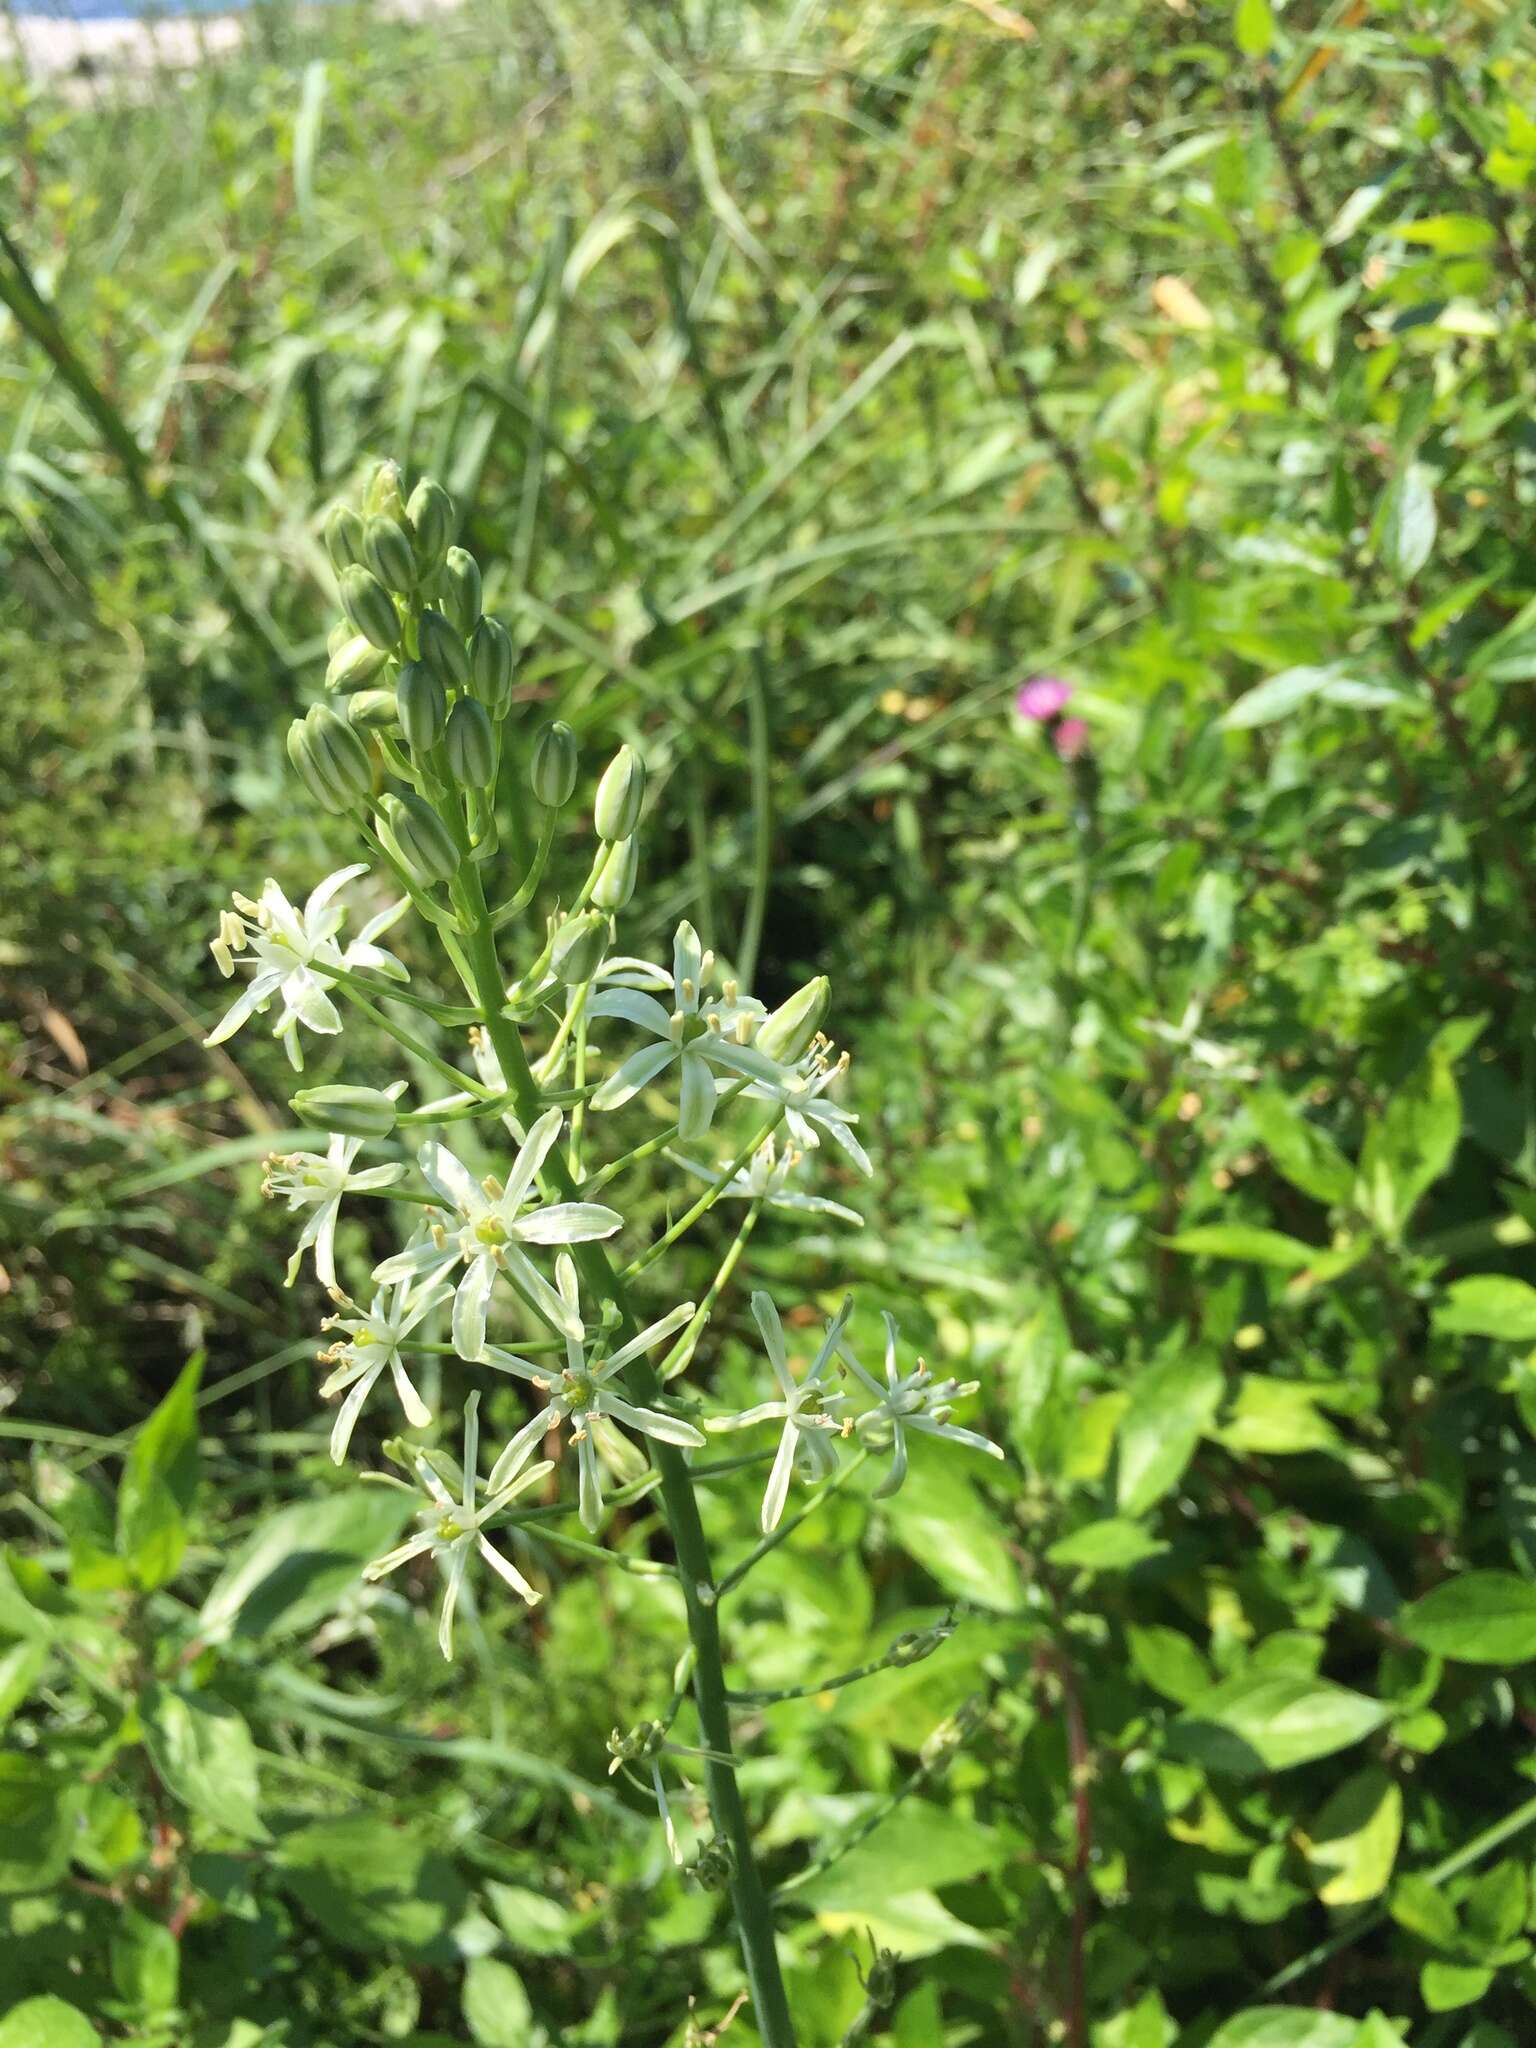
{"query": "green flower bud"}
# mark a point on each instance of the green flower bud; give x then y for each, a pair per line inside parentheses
(443, 650)
(792, 1026)
(423, 706)
(385, 496)
(490, 666)
(430, 512)
(616, 879)
(324, 792)
(343, 535)
(461, 590)
(470, 744)
(422, 840)
(355, 1112)
(373, 710)
(553, 772)
(370, 607)
(388, 553)
(354, 663)
(580, 946)
(338, 637)
(339, 754)
(620, 794)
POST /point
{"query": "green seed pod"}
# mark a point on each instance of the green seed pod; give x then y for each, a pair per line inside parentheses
(385, 495)
(423, 841)
(355, 1112)
(579, 949)
(373, 710)
(338, 637)
(387, 551)
(339, 754)
(553, 771)
(430, 512)
(792, 1026)
(443, 650)
(470, 744)
(370, 607)
(616, 811)
(325, 794)
(461, 590)
(423, 704)
(490, 666)
(355, 663)
(343, 535)
(616, 879)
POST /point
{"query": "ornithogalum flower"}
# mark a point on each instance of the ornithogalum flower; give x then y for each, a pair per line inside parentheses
(290, 951)
(767, 1178)
(809, 1409)
(371, 1344)
(309, 1181)
(914, 1400)
(453, 1528)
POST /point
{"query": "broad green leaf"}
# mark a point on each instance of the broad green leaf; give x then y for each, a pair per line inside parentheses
(1408, 522)
(1173, 1402)
(1169, 1662)
(1277, 696)
(531, 1921)
(1272, 1721)
(1479, 1618)
(372, 1887)
(1446, 1987)
(1244, 1241)
(1351, 1843)
(1489, 1305)
(1276, 1418)
(38, 1810)
(1285, 2026)
(1304, 1154)
(496, 2008)
(146, 1963)
(918, 1847)
(1450, 234)
(20, 1668)
(1495, 1908)
(290, 1574)
(1412, 1144)
(939, 1518)
(915, 1924)
(1422, 1909)
(47, 2023)
(203, 1750)
(159, 1479)
(1253, 27)
(1113, 1545)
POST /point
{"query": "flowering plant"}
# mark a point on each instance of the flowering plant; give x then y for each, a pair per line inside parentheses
(415, 746)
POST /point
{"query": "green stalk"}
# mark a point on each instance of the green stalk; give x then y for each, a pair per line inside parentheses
(749, 1898)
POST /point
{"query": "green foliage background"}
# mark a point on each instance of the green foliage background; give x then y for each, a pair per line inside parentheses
(807, 377)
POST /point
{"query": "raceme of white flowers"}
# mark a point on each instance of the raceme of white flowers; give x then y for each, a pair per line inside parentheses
(510, 1271)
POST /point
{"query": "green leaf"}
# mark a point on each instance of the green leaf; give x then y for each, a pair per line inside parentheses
(1445, 1987)
(1278, 695)
(538, 1925)
(1244, 1241)
(1408, 522)
(146, 1963)
(940, 1518)
(1480, 1618)
(38, 1808)
(1489, 1305)
(921, 1845)
(158, 1482)
(1113, 1545)
(375, 1888)
(915, 1924)
(20, 1668)
(1421, 1909)
(1285, 2026)
(290, 1574)
(1169, 1663)
(1253, 27)
(1173, 1402)
(203, 1751)
(1496, 1906)
(1272, 1721)
(1276, 1418)
(1406, 1152)
(1450, 234)
(1305, 1155)
(1351, 1844)
(47, 2023)
(496, 2008)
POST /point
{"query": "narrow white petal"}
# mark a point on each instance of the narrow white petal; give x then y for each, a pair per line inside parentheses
(778, 1480)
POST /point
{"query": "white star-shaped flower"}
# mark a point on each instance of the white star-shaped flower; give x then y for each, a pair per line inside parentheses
(309, 1181)
(371, 1345)
(809, 1408)
(766, 1178)
(914, 1400)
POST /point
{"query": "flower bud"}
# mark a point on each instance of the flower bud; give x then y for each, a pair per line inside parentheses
(385, 496)
(616, 811)
(430, 515)
(388, 553)
(354, 663)
(355, 1112)
(443, 650)
(470, 744)
(616, 878)
(553, 771)
(460, 598)
(370, 607)
(373, 710)
(343, 535)
(423, 706)
(422, 840)
(579, 949)
(792, 1026)
(339, 754)
(490, 666)
(325, 794)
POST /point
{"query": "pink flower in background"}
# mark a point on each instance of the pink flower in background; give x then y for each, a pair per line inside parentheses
(1042, 697)
(1071, 738)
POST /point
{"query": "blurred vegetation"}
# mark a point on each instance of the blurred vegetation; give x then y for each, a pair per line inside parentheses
(807, 377)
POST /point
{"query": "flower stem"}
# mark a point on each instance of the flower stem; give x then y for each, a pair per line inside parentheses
(754, 1921)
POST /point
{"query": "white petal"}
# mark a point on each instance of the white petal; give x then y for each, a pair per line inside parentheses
(393, 1559)
(637, 1072)
(634, 1008)
(536, 1147)
(569, 1223)
(652, 1334)
(255, 996)
(324, 1226)
(457, 1566)
(509, 1572)
(417, 1413)
(766, 1316)
(591, 1488)
(449, 1177)
(778, 1479)
(696, 1100)
(322, 892)
(469, 1305)
(350, 1409)
(559, 1314)
(518, 1450)
(667, 1429)
(687, 961)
